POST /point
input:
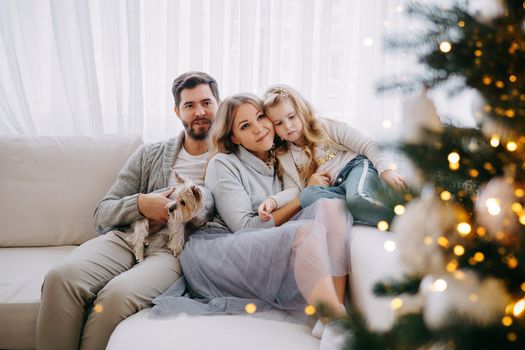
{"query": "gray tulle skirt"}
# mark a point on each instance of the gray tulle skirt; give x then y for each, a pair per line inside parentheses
(270, 268)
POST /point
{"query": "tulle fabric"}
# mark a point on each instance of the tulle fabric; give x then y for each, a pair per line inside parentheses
(272, 268)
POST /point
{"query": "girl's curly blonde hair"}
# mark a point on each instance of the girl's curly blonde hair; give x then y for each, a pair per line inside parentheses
(313, 131)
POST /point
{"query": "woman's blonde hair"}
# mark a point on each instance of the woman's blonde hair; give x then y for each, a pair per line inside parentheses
(313, 132)
(220, 139)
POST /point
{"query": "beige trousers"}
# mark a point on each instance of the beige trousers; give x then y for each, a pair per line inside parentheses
(86, 295)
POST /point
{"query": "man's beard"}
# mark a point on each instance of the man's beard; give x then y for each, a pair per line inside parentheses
(200, 132)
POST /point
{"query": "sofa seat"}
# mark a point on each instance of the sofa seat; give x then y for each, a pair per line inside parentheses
(370, 262)
(268, 330)
(23, 270)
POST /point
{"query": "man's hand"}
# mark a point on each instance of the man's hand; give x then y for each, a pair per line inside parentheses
(266, 208)
(321, 178)
(153, 206)
(395, 180)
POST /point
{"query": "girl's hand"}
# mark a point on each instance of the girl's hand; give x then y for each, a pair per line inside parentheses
(321, 178)
(395, 180)
(266, 208)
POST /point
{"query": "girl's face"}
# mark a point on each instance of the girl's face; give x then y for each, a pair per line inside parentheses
(287, 124)
(253, 130)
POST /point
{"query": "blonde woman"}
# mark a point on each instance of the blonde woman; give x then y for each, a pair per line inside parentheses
(278, 263)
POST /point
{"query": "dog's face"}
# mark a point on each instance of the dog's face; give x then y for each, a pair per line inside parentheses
(186, 201)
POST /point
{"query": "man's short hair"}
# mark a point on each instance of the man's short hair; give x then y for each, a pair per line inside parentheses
(189, 80)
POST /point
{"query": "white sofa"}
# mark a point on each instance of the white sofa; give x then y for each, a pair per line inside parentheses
(49, 187)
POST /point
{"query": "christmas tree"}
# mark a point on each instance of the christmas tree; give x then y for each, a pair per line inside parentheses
(463, 235)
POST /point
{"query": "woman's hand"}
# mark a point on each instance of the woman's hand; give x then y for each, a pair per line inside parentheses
(153, 205)
(266, 208)
(321, 178)
(395, 180)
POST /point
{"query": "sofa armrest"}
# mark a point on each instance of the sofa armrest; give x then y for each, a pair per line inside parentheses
(370, 263)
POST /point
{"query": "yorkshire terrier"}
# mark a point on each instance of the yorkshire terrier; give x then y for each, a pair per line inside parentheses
(188, 202)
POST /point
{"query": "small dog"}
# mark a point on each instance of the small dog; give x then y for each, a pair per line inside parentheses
(187, 203)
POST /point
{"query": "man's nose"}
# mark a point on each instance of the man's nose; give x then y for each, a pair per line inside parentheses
(199, 111)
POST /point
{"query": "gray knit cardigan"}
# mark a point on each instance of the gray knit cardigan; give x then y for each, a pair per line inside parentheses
(147, 170)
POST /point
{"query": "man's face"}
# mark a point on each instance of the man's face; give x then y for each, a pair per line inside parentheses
(196, 110)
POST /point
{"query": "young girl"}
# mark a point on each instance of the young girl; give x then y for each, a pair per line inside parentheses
(329, 152)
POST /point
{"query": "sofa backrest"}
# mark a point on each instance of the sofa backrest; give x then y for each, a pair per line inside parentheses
(49, 186)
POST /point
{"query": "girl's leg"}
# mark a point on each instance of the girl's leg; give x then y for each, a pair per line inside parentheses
(310, 195)
(366, 193)
(340, 287)
(321, 252)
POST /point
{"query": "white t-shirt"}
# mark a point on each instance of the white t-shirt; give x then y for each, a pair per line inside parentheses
(189, 167)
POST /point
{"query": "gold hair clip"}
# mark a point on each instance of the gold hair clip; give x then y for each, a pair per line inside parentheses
(280, 91)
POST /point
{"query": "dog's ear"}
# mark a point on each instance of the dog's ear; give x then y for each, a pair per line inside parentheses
(179, 179)
(196, 192)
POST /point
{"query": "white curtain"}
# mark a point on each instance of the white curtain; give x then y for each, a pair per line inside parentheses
(95, 67)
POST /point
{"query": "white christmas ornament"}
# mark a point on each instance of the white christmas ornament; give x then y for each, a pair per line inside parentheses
(425, 220)
(419, 113)
(494, 208)
(462, 293)
(486, 10)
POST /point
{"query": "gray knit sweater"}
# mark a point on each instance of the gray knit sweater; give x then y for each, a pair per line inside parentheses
(239, 183)
(147, 170)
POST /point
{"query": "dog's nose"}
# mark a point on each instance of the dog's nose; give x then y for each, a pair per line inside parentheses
(172, 207)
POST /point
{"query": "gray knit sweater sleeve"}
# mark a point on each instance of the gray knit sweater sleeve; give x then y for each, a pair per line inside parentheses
(236, 191)
(119, 206)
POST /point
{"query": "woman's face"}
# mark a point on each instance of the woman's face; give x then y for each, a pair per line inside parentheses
(252, 130)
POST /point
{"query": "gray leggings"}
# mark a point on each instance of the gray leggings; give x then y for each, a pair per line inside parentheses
(359, 185)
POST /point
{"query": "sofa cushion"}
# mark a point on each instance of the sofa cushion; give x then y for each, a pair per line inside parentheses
(50, 186)
(231, 332)
(23, 271)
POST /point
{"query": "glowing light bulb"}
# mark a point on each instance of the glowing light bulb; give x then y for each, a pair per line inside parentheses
(453, 157)
(459, 250)
(479, 257)
(382, 225)
(446, 195)
(464, 228)
(309, 310)
(389, 246)
(494, 141)
(445, 47)
(387, 124)
(440, 285)
(396, 303)
(250, 308)
(399, 209)
(506, 321)
(512, 146)
(493, 206)
(518, 308)
(443, 241)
